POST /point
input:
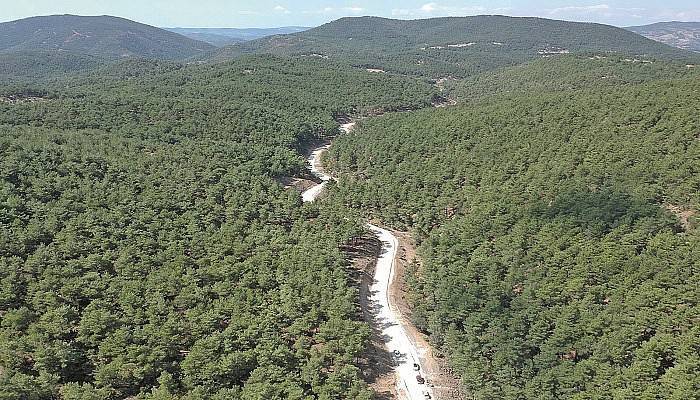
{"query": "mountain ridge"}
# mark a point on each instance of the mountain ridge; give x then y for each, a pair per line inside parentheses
(103, 35)
(451, 45)
(684, 35)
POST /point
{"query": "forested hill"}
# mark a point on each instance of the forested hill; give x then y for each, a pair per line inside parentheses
(565, 73)
(32, 66)
(104, 36)
(684, 35)
(559, 227)
(452, 46)
(148, 251)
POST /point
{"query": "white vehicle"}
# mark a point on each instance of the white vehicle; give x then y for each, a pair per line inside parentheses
(416, 367)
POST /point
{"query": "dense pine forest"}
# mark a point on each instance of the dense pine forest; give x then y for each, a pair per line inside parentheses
(150, 250)
(566, 73)
(559, 234)
(147, 249)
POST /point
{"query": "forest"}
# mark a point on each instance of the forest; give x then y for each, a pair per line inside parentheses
(27, 67)
(570, 72)
(148, 250)
(558, 233)
(454, 47)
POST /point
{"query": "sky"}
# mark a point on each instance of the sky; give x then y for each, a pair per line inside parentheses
(274, 13)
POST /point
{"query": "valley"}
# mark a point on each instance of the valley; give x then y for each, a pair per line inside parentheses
(503, 207)
(499, 259)
(409, 359)
(227, 36)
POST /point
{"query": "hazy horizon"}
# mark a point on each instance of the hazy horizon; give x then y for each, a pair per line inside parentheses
(274, 14)
(309, 26)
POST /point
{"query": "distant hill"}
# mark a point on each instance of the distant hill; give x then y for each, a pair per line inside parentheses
(203, 36)
(227, 36)
(451, 46)
(102, 36)
(684, 35)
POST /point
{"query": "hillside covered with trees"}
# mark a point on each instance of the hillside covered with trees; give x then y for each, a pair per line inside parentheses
(565, 73)
(102, 36)
(456, 46)
(147, 248)
(150, 250)
(32, 66)
(558, 229)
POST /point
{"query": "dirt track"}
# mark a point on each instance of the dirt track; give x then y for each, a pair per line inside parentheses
(405, 353)
(446, 386)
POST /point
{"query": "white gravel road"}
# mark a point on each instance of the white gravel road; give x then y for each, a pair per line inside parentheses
(386, 315)
(314, 162)
(389, 320)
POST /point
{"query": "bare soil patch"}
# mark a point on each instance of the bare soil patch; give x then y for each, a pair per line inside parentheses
(685, 215)
(298, 184)
(21, 99)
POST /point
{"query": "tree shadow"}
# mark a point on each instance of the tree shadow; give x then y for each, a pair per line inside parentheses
(599, 212)
(377, 361)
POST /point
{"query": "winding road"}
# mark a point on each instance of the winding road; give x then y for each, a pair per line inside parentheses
(385, 314)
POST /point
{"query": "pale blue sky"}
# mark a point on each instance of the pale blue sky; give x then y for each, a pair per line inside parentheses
(269, 13)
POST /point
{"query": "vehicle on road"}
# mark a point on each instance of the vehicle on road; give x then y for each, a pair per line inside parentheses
(397, 353)
(426, 395)
(420, 379)
(416, 367)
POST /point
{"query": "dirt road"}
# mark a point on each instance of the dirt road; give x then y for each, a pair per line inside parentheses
(314, 162)
(407, 355)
